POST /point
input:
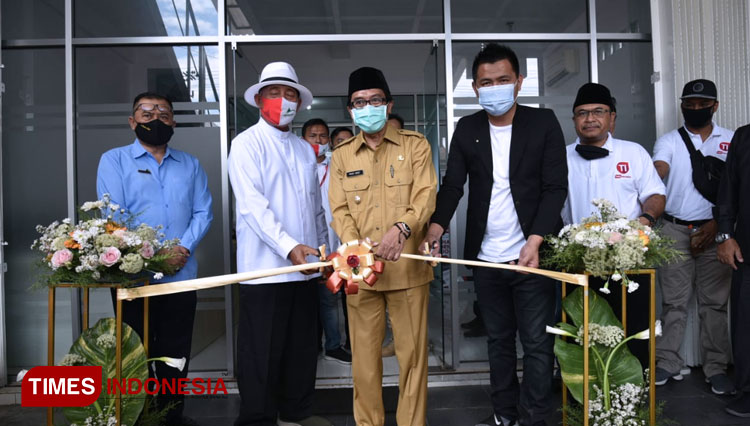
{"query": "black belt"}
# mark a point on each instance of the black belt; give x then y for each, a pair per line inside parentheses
(693, 223)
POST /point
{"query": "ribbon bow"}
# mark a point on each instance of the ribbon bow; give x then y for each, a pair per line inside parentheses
(353, 263)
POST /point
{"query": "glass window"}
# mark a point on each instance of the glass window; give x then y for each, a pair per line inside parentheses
(33, 140)
(107, 79)
(625, 68)
(31, 19)
(334, 17)
(144, 18)
(614, 16)
(519, 16)
(553, 72)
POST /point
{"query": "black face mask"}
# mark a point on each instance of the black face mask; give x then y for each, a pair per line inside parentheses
(155, 132)
(590, 152)
(697, 118)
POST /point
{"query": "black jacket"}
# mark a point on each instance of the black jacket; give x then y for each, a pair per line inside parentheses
(733, 205)
(538, 174)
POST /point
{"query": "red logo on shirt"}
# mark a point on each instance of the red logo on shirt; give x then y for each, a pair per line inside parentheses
(724, 146)
(622, 168)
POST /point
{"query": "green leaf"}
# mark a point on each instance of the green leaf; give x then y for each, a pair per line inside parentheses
(624, 366)
(599, 310)
(133, 366)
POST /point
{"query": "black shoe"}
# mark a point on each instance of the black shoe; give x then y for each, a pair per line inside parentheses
(185, 421)
(476, 322)
(339, 355)
(492, 420)
(740, 407)
(721, 385)
(662, 376)
(476, 332)
(489, 421)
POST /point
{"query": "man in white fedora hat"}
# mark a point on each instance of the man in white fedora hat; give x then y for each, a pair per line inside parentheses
(280, 219)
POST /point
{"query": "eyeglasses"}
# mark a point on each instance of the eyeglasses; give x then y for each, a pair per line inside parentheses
(148, 110)
(148, 106)
(360, 103)
(597, 113)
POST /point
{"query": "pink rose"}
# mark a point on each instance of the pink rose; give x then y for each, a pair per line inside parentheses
(110, 256)
(61, 257)
(147, 250)
(615, 237)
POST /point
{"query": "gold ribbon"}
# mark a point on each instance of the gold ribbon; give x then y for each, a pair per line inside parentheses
(353, 263)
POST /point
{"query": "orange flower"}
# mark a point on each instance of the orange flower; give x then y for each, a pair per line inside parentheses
(71, 243)
(111, 227)
(644, 238)
(592, 224)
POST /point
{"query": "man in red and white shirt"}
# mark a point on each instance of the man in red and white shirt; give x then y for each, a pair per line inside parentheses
(688, 219)
(315, 132)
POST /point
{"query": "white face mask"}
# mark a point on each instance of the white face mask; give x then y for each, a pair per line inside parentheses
(321, 149)
(498, 99)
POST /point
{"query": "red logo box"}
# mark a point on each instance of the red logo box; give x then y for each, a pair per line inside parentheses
(61, 386)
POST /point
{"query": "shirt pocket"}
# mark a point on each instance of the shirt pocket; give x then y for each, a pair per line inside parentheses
(398, 188)
(357, 192)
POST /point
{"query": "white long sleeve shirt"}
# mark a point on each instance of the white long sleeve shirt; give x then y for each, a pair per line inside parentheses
(626, 177)
(277, 200)
(324, 178)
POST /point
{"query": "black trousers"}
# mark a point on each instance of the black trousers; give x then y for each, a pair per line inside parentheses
(277, 351)
(511, 302)
(171, 319)
(740, 321)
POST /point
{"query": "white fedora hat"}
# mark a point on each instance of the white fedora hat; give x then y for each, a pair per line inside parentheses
(279, 73)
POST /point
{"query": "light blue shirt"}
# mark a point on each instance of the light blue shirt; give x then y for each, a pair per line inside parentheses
(173, 194)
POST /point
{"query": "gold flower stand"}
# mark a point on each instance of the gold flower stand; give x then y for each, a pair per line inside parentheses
(651, 339)
(85, 314)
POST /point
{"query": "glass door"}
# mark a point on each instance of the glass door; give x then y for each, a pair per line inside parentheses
(3, 360)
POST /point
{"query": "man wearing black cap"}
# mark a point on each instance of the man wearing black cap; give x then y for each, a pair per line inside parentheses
(600, 166)
(383, 187)
(514, 157)
(688, 220)
(733, 213)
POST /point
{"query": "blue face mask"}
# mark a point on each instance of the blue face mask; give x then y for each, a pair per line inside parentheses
(370, 119)
(498, 99)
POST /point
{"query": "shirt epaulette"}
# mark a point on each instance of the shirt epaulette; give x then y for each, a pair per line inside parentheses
(345, 142)
(406, 132)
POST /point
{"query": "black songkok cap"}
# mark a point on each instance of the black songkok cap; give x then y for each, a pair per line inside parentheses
(368, 78)
(701, 88)
(594, 93)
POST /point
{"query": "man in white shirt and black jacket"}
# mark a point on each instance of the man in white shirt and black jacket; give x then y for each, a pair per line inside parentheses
(514, 157)
(280, 219)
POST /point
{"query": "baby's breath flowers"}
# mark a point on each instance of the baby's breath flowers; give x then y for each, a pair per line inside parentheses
(606, 245)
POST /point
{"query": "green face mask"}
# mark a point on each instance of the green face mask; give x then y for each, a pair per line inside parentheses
(370, 119)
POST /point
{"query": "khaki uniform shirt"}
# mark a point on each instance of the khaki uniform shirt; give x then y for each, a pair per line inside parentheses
(372, 189)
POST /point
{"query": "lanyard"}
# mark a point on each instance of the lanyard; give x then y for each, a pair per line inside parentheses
(325, 175)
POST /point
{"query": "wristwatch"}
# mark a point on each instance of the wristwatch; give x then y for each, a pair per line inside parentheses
(720, 238)
(651, 220)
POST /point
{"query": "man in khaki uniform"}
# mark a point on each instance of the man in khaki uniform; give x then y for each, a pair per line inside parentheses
(383, 186)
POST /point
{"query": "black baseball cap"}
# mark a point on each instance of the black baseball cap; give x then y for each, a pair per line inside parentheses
(700, 88)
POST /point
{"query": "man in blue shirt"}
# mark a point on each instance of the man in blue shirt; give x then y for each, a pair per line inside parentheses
(167, 187)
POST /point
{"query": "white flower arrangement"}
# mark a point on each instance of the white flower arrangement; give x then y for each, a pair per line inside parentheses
(606, 245)
(106, 245)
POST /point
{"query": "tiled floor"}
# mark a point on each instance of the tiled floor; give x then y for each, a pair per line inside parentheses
(688, 403)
